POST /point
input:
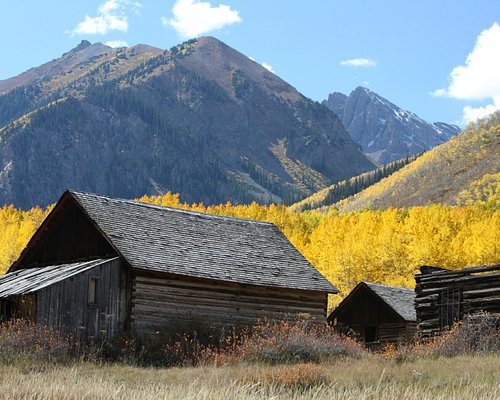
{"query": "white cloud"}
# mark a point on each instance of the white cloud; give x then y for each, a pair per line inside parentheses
(101, 25)
(473, 113)
(264, 64)
(359, 62)
(116, 43)
(438, 93)
(268, 67)
(479, 78)
(108, 6)
(192, 17)
(110, 17)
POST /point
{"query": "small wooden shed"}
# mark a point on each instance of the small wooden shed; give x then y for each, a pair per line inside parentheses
(377, 314)
(98, 266)
(444, 296)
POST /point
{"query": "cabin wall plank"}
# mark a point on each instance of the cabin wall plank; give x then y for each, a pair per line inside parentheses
(160, 303)
(65, 306)
(73, 238)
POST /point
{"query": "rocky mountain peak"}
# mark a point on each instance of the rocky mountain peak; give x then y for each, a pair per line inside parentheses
(83, 45)
(385, 131)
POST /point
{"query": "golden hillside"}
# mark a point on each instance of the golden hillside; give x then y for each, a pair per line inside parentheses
(467, 168)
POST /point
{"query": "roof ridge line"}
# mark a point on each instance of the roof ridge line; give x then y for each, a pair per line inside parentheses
(388, 286)
(173, 209)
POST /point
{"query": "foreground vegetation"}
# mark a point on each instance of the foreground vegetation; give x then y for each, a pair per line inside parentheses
(372, 377)
(39, 363)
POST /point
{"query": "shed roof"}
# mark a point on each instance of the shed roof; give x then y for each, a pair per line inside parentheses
(24, 281)
(193, 244)
(401, 300)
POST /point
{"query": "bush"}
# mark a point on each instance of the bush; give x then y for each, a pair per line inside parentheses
(24, 340)
(269, 342)
(300, 376)
(476, 334)
(279, 342)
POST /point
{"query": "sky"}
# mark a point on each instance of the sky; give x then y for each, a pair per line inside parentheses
(437, 58)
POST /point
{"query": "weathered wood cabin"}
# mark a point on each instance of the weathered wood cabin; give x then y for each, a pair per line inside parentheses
(377, 314)
(444, 296)
(98, 266)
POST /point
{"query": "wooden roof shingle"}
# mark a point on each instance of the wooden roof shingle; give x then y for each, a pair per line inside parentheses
(401, 300)
(193, 244)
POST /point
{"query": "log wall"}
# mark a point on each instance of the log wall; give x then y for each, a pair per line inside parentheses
(397, 333)
(159, 303)
(445, 296)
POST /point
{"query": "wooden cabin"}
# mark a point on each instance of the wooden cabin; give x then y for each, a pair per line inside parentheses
(377, 314)
(99, 266)
(444, 296)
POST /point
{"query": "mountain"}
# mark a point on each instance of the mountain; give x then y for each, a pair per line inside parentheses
(386, 132)
(200, 119)
(467, 168)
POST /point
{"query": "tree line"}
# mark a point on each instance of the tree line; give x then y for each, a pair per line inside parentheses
(383, 246)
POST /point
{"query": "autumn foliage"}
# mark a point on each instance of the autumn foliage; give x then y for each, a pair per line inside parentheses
(384, 246)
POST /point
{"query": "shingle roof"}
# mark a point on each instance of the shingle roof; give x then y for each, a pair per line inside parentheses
(24, 281)
(401, 300)
(201, 245)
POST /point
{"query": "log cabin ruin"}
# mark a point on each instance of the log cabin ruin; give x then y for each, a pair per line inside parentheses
(377, 314)
(444, 296)
(100, 266)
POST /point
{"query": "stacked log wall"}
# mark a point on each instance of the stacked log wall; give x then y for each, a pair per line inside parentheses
(474, 289)
(160, 304)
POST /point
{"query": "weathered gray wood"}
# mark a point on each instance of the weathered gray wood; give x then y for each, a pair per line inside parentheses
(437, 275)
(159, 303)
(445, 296)
(65, 307)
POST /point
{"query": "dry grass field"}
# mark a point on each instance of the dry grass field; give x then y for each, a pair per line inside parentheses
(278, 361)
(368, 377)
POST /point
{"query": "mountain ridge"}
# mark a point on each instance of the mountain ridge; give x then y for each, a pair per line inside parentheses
(200, 119)
(384, 131)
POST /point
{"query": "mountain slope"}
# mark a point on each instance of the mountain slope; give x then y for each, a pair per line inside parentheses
(349, 187)
(201, 119)
(386, 132)
(466, 167)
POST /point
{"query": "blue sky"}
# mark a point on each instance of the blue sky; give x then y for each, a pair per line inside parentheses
(437, 58)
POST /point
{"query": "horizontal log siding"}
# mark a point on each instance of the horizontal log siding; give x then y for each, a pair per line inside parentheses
(479, 289)
(398, 333)
(158, 303)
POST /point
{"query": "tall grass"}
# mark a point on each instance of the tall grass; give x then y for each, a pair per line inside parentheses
(276, 361)
(463, 377)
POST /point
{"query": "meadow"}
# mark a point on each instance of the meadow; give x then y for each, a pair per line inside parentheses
(278, 361)
(370, 377)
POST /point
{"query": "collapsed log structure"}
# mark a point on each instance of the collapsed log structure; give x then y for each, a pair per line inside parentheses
(444, 296)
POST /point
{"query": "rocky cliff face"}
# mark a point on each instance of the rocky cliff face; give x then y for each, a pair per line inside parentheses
(386, 132)
(200, 119)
